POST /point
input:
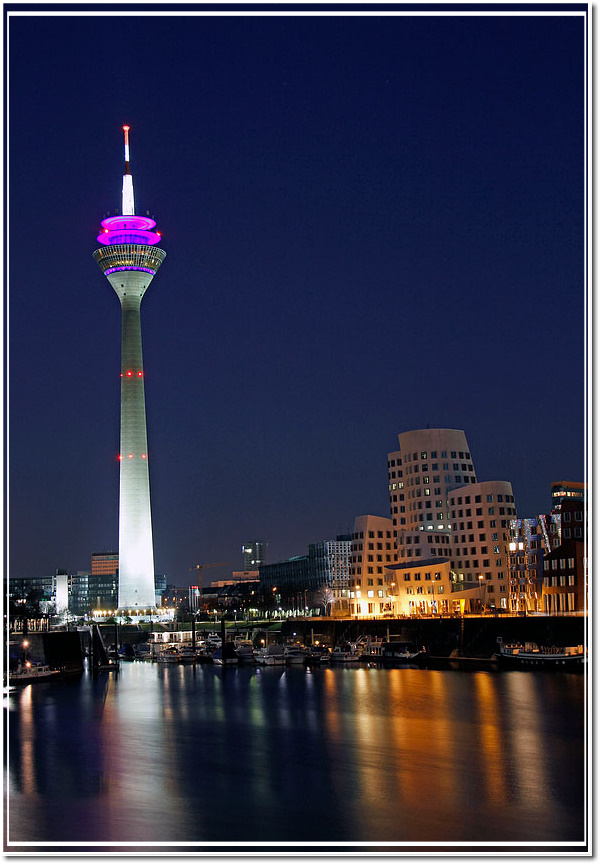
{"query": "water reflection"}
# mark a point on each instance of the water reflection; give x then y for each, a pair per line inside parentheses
(201, 754)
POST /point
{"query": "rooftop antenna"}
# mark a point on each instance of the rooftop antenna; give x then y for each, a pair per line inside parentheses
(128, 202)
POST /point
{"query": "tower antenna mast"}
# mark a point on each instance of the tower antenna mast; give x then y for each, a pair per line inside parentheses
(127, 199)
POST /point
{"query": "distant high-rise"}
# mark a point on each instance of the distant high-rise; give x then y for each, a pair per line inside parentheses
(105, 563)
(567, 490)
(129, 258)
(254, 554)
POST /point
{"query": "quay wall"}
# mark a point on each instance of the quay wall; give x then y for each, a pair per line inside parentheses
(57, 649)
(471, 636)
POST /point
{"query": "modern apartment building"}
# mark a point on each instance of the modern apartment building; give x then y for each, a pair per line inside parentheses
(372, 551)
(565, 567)
(480, 518)
(421, 474)
(564, 586)
(528, 543)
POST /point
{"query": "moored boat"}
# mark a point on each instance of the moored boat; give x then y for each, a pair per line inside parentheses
(126, 652)
(271, 655)
(403, 652)
(29, 673)
(244, 648)
(142, 651)
(530, 655)
(187, 654)
(349, 653)
(168, 655)
(225, 655)
(372, 650)
(294, 655)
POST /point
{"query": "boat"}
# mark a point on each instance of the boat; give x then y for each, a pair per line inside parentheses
(244, 648)
(349, 653)
(187, 654)
(529, 654)
(29, 673)
(142, 651)
(372, 649)
(272, 655)
(168, 655)
(294, 655)
(225, 656)
(403, 652)
(126, 652)
(381, 651)
(212, 642)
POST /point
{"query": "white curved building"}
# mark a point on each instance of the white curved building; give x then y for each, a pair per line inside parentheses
(428, 466)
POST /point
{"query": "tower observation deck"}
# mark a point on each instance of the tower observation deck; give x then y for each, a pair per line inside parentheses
(129, 258)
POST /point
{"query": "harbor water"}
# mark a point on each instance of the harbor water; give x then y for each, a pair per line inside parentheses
(187, 758)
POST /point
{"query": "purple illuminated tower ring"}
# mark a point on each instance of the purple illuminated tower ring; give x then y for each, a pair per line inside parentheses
(129, 258)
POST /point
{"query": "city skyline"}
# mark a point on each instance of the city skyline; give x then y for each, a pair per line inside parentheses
(377, 228)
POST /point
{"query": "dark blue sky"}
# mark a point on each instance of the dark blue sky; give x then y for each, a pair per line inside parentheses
(372, 224)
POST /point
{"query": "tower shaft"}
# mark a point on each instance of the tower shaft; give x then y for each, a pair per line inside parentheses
(136, 555)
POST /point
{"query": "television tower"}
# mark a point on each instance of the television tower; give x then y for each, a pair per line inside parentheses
(129, 258)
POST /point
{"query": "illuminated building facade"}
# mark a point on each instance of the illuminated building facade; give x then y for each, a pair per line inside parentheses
(129, 258)
(427, 587)
(330, 560)
(372, 550)
(528, 543)
(318, 580)
(428, 466)
(480, 517)
(565, 567)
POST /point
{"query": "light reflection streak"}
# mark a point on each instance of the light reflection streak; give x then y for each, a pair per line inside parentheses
(491, 744)
(524, 739)
(27, 732)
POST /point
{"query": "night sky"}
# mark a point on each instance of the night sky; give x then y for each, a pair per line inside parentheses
(372, 224)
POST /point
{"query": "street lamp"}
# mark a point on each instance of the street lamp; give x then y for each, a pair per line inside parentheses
(481, 593)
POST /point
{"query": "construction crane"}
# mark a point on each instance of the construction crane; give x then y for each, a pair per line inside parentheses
(201, 567)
